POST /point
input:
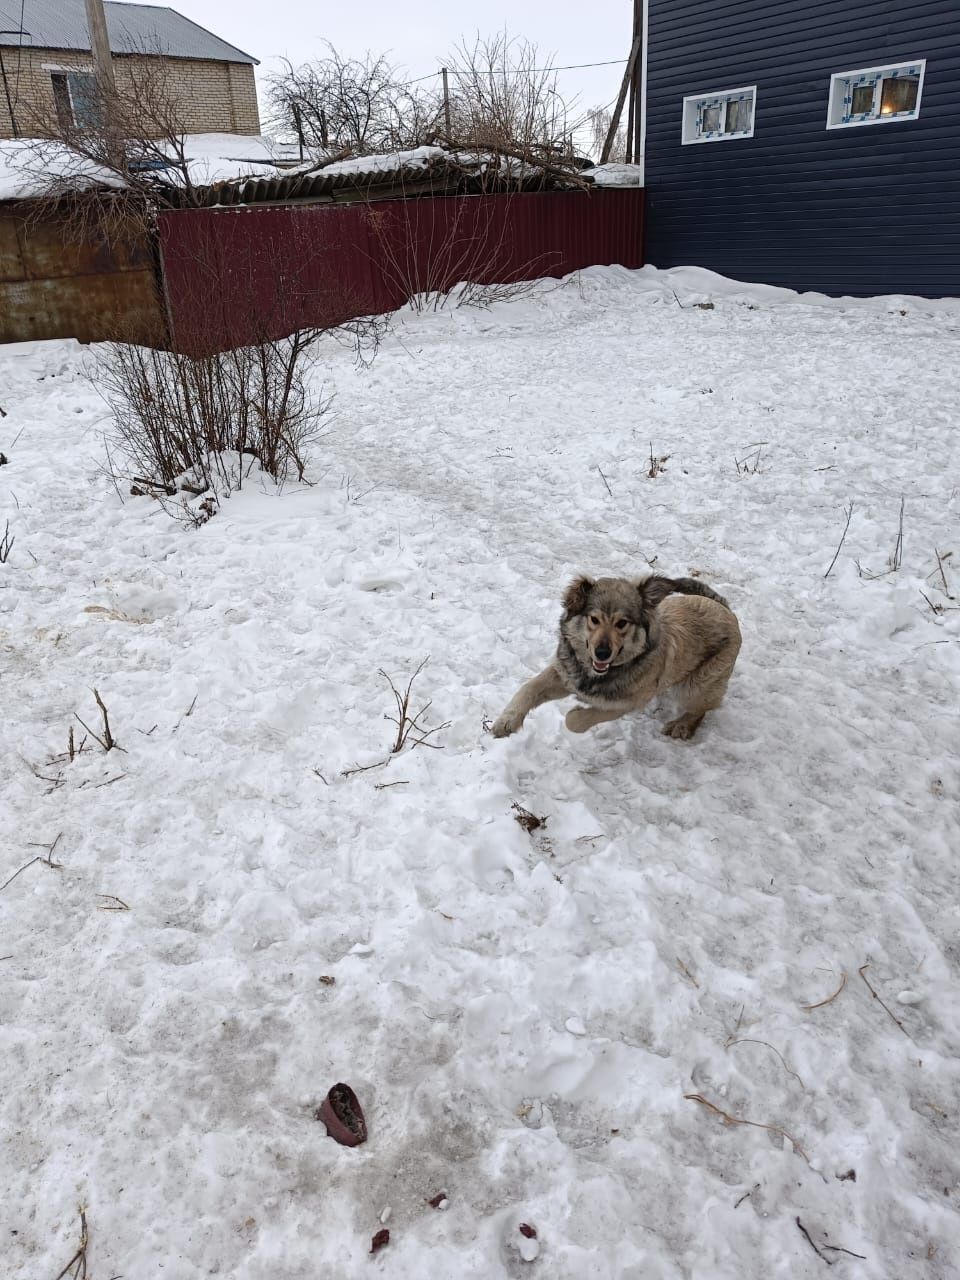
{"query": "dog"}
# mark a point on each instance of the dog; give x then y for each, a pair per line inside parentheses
(623, 642)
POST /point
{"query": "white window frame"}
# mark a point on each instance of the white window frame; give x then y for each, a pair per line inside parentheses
(695, 104)
(60, 69)
(842, 84)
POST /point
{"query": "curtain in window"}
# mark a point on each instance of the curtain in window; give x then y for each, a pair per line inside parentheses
(899, 94)
(738, 115)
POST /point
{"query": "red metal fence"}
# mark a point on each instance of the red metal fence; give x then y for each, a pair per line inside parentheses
(233, 275)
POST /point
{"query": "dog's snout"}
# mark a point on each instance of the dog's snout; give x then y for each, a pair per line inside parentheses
(603, 651)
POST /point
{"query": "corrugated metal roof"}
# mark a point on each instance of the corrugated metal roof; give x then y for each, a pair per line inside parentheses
(133, 28)
(425, 171)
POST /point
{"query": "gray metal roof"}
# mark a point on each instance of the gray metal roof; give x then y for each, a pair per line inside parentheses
(132, 28)
(441, 174)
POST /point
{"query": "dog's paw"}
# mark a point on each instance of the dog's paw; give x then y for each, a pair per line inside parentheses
(579, 720)
(508, 723)
(684, 727)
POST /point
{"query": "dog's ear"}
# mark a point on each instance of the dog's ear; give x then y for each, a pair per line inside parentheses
(654, 589)
(575, 596)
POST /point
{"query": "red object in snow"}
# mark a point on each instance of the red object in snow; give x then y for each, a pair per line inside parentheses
(342, 1114)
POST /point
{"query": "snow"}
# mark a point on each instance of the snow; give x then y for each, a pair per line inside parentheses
(389, 162)
(616, 174)
(538, 1026)
(218, 157)
(26, 165)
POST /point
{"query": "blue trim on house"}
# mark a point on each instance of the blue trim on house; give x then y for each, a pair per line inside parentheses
(859, 210)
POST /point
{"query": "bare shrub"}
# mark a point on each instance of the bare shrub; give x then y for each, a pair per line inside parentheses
(453, 262)
(354, 106)
(105, 737)
(409, 727)
(599, 120)
(504, 96)
(185, 421)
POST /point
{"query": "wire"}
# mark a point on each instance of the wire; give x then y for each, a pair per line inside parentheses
(527, 71)
(519, 71)
(16, 81)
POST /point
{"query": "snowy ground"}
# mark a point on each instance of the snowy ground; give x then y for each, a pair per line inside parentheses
(521, 1015)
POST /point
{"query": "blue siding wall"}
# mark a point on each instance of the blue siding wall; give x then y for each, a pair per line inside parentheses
(860, 210)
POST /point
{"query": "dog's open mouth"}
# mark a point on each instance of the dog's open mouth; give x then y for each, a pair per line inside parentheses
(601, 668)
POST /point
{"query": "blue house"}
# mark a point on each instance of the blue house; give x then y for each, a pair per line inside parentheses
(805, 143)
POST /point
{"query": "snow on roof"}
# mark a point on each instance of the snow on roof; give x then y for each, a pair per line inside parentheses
(388, 162)
(132, 28)
(616, 175)
(440, 169)
(27, 166)
(221, 161)
(25, 172)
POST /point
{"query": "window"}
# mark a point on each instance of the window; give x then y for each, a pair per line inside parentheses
(876, 95)
(75, 93)
(719, 117)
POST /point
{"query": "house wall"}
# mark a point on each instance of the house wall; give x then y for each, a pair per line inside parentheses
(866, 210)
(212, 97)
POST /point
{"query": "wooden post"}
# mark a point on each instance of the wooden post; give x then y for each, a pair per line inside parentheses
(446, 101)
(618, 109)
(639, 35)
(106, 83)
(631, 108)
(100, 46)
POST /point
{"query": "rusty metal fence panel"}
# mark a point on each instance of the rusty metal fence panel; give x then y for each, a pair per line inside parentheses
(53, 287)
(235, 275)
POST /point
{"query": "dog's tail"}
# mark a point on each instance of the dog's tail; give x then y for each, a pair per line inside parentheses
(692, 587)
(657, 588)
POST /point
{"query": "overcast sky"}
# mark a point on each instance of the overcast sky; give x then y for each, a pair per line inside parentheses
(416, 35)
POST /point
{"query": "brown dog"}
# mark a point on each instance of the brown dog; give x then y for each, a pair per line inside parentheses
(623, 642)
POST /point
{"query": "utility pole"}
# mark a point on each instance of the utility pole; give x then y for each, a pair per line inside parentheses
(639, 36)
(446, 100)
(100, 46)
(106, 83)
(632, 83)
(621, 97)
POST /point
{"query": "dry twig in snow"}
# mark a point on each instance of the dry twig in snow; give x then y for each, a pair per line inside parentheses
(880, 1002)
(746, 1040)
(842, 540)
(77, 1266)
(829, 1000)
(727, 1118)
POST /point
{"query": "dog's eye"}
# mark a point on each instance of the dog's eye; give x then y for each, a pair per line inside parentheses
(594, 620)
(622, 624)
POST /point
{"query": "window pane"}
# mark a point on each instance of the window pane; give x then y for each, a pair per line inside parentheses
(61, 97)
(862, 99)
(710, 119)
(83, 95)
(899, 94)
(738, 115)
